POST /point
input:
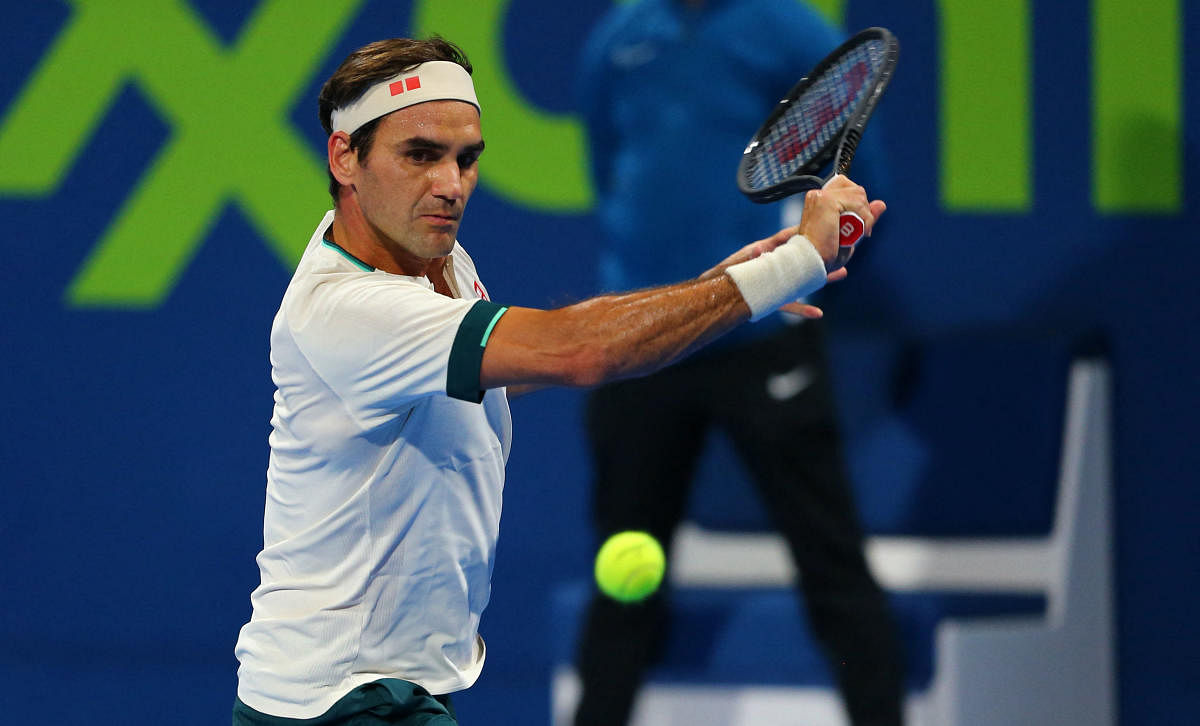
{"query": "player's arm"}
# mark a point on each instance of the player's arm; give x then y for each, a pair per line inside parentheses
(620, 336)
(609, 337)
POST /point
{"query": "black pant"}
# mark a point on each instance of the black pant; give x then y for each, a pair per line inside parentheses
(385, 702)
(646, 436)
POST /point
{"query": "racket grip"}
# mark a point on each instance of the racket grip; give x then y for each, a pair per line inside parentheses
(850, 230)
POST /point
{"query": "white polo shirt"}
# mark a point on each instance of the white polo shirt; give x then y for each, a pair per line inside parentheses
(383, 487)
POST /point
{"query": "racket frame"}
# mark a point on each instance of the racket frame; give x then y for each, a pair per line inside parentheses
(841, 146)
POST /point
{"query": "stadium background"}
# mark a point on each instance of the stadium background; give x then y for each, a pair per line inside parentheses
(160, 168)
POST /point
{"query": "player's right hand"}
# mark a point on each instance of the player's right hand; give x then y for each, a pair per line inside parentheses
(823, 209)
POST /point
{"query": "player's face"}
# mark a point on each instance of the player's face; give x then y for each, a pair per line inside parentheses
(418, 175)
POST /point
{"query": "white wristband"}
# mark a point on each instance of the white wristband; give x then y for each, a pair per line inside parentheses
(787, 273)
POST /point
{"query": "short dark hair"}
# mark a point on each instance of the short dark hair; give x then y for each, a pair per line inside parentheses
(368, 65)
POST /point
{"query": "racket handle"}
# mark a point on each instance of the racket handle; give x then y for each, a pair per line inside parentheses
(850, 231)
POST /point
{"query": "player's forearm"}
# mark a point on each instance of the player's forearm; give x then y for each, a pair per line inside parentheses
(610, 337)
(641, 332)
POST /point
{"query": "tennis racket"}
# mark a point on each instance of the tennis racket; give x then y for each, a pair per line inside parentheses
(820, 123)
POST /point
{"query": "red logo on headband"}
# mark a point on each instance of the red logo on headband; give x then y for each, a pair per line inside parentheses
(411, 83)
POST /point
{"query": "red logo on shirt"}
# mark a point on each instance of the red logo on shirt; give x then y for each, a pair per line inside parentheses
(411, 83)
(482, 293)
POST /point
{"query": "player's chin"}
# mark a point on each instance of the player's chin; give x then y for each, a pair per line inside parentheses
(442, 236)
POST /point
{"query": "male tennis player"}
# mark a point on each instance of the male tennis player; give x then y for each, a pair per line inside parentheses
(391, 426)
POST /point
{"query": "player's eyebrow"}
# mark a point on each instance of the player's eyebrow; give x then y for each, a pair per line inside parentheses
(420, 142)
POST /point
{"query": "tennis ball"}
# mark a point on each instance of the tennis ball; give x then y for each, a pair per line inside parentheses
(629, 566)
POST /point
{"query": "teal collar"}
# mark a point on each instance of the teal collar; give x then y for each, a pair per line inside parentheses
(357, 262)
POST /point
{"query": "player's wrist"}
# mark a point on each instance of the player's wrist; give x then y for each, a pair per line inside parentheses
(789, 272)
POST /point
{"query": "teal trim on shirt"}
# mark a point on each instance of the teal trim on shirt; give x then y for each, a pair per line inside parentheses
(357, 262)
(466, 354)
(488, 332)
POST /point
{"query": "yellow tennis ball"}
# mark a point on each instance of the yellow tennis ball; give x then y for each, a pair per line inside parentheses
(629, 566)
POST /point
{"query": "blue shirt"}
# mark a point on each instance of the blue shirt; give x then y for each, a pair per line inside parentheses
(670, 97)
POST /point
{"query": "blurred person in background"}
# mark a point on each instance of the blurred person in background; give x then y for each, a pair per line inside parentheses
(670, 92)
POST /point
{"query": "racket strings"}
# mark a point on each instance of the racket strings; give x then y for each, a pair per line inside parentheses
(804, 132)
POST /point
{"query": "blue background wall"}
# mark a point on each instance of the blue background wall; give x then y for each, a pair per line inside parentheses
(134, 435)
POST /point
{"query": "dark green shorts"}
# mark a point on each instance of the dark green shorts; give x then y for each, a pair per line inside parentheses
(387, 701)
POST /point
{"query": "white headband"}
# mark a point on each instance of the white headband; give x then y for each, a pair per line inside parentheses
(430, 81)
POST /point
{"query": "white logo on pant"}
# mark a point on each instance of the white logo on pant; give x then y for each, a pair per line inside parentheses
(782, 386)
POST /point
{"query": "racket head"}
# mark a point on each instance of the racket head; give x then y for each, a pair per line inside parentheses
(823, 114)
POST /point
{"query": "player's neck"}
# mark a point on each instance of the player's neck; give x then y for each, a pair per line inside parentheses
(352, 232)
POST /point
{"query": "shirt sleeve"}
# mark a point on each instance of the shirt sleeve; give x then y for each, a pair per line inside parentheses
(466, 354)
(380, 344)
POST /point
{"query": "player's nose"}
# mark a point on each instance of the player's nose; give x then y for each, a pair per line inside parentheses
(447, 181)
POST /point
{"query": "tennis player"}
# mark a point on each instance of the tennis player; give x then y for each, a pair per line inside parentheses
(391, 426)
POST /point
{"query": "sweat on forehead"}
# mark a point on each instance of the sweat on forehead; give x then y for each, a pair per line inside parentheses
(431, 81)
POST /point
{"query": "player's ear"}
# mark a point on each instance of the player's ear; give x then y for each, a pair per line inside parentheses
(343, 160)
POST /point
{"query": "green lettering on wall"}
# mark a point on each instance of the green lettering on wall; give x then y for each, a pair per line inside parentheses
(832, 10)
(1137, 118)
(227, 109)
(538, 159)
(230, 141)
(985, 105)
